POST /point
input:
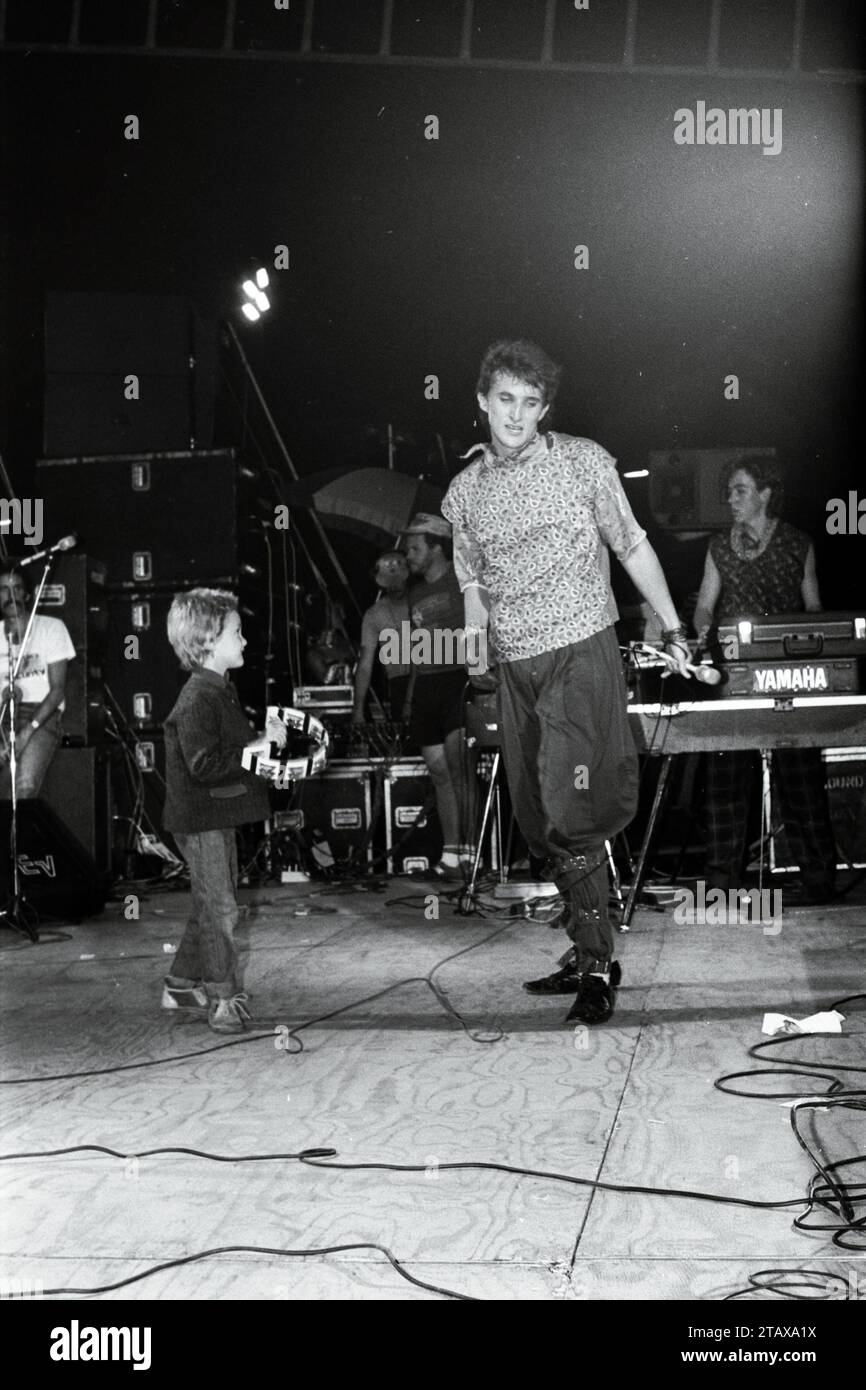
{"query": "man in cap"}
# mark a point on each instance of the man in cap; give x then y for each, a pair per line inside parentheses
(437, 685)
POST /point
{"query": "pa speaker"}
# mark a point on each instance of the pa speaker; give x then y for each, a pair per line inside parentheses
(91, 413)
(75, 593)
(155, 519)
(845, 781)
(57, 876)
(77, 788)
(143, 675)
(96, 342)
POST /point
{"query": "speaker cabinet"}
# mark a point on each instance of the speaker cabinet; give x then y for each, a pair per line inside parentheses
(155, 519)
(95, 343)
(58, 877)
(77, 788)
(90, 413)
(141, 669)
(845, 780)
(75, 593)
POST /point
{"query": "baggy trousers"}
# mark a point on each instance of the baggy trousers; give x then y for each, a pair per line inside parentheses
(572, 771)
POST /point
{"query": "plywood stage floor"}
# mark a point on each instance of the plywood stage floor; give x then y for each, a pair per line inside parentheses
(399, 1080)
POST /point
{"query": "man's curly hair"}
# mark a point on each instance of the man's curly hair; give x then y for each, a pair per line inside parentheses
(526, 361)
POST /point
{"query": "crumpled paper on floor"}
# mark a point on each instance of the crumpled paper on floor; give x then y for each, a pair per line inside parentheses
(829, 1022)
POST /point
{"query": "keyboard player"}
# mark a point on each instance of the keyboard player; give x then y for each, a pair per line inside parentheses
(763, 565)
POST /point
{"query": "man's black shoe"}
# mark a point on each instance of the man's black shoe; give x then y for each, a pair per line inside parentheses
(564, 981)
(595, 999)
(567, 981)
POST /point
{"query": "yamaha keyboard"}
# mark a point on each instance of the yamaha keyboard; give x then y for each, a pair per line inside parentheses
(721, 726)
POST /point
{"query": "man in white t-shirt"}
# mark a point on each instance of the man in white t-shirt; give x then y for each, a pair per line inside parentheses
(40, 685)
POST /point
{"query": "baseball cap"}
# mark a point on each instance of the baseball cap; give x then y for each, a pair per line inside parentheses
(427, 521)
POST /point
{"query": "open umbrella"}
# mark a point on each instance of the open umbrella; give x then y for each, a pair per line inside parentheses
(373, 503)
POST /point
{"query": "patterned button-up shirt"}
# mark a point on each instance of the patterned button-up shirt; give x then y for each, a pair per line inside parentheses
(530, 529)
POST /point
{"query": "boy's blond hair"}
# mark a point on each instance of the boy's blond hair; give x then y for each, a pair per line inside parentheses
(195, 622)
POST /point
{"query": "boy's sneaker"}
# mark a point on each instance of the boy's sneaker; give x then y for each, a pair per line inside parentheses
(228, 1015)
(184, 995)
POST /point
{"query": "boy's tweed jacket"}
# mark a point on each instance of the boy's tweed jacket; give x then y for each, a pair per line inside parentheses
(205, 734)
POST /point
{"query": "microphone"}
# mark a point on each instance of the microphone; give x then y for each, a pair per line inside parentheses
(67, 543)
(707, 675)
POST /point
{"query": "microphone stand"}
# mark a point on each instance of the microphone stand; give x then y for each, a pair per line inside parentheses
(18, 914)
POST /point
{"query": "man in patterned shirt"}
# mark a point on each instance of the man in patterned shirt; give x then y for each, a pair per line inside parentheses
(532, 517)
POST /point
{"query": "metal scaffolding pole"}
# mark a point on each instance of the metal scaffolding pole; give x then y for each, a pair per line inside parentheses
(281, 445)
(792, 68)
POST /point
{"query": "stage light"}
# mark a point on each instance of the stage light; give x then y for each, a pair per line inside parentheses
(256, 302)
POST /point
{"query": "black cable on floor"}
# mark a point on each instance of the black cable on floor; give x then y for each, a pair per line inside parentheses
(313, 1158)
(826, 1191)
(319, 1158)
(416, 979)
(292, 1032)
(817, 1195)
(784, 1282)
(263, 1250)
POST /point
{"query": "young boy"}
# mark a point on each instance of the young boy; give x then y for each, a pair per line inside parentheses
(209, 794)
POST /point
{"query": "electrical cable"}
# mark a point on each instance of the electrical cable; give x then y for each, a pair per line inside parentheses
(826, 1190)
(320, 1158)
(427, 979)
(766, 1280)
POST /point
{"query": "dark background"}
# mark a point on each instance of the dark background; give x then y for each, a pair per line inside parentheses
(409, 255)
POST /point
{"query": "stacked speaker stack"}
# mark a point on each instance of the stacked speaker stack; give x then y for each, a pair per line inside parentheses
(160, 523)
(65, 837)
(128, 416)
